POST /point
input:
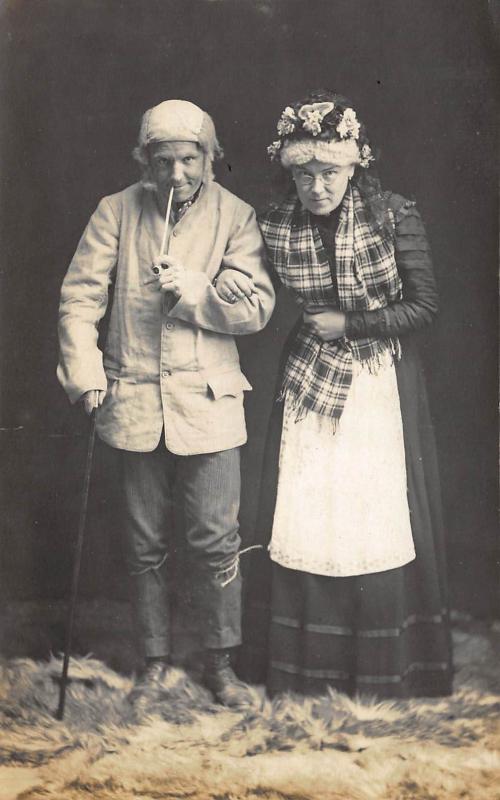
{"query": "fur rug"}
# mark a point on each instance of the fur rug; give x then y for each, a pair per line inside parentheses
(185, 747)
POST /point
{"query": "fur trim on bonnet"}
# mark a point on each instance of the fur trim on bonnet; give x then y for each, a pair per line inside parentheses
(178, 121)
(303, 150)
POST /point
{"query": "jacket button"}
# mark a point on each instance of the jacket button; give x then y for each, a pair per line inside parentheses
(169, 326)
(165, 373)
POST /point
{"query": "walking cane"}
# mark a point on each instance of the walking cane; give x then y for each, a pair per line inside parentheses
(76, 566)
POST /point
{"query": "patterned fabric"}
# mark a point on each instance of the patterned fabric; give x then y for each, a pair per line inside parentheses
(179, 209)
(318, 374)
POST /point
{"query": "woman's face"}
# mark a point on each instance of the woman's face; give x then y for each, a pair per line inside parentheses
(321, 185)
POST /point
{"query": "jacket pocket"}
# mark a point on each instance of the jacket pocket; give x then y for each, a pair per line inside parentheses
(231, 383)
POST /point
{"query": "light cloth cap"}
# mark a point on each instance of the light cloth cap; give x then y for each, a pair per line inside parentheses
(178, 121)
(172, 121)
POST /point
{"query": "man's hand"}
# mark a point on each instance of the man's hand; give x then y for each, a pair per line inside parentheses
(327, 323)
(233, 285)
(172, 275)
(92, 399)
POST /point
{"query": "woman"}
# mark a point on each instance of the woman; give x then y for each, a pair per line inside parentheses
(357, 598)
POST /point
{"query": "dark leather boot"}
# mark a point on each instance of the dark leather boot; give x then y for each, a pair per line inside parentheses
(149, 685)
(220, 678)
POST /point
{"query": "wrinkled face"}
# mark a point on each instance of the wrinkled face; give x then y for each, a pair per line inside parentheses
(177, 164)
(321, 185)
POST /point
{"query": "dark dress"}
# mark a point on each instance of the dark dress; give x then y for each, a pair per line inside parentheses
(385, 633)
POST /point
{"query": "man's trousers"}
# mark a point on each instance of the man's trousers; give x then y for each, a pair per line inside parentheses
(207, 492)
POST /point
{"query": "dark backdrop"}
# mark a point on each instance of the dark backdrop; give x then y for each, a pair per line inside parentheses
(76, 78)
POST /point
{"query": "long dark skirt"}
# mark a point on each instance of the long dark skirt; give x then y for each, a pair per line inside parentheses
(385, 633)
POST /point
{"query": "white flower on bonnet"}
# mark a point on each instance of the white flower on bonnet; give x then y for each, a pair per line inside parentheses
(313, 115)
(348, 125)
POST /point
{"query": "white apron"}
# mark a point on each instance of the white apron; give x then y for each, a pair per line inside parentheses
(342, 505)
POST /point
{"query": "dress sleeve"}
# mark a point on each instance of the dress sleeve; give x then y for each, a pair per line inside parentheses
(419, 303)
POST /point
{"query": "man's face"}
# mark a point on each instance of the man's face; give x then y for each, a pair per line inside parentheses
(321, 186)
(177, 164)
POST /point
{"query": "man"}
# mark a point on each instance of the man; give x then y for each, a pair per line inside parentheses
(168, 388)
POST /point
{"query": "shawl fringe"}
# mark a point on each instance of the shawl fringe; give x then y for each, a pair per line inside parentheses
(372, 364)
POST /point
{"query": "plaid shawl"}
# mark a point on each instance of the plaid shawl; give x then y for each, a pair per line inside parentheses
(318, 374)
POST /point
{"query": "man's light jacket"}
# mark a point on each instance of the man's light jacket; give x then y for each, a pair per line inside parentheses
(167, 363)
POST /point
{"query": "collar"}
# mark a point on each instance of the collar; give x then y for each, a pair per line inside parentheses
(179, 209)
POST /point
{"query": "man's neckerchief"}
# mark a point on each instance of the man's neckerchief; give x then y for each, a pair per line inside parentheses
(179, 209)
(318, 374)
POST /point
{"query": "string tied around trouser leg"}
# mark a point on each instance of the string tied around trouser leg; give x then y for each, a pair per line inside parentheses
(229, 573)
